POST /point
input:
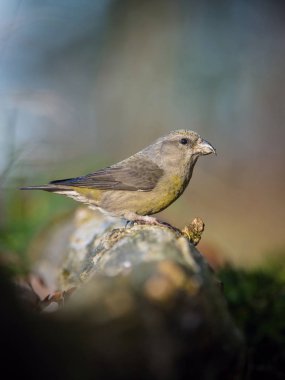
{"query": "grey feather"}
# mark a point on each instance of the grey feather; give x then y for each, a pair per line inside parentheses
(48, 187)
(133, 174)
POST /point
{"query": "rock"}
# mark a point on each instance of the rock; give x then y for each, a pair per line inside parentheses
(146, 304)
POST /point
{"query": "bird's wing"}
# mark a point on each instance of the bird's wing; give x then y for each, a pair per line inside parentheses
(133, 174)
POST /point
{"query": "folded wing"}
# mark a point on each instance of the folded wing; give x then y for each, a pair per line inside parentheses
(133, 174)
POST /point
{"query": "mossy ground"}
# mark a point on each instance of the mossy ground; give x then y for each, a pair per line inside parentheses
(256, 300)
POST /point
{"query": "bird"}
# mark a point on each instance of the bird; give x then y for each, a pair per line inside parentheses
(141, 185)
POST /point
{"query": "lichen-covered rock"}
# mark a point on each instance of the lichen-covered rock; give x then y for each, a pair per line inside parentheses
(65, 243)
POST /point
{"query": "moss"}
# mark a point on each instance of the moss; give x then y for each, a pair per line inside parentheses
(256, 300)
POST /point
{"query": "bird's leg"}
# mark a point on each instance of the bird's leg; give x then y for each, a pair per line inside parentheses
(143, 219)
(146, 219)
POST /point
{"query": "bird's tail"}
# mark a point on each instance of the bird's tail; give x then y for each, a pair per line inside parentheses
(69, 191)
(51, 188)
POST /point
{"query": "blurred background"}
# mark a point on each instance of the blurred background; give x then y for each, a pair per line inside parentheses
(84, 84)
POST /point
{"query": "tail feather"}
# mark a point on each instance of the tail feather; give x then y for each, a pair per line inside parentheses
(64, 190)
(51, 188)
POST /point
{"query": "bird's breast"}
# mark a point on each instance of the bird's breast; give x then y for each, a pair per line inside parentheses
(167, 190)
(165, 193)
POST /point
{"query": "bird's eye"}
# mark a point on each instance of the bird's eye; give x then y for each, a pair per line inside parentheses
(184, 141)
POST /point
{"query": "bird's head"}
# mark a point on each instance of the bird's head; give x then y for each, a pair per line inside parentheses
(181, 147)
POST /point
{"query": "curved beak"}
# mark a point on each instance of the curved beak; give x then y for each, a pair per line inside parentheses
(204, 147)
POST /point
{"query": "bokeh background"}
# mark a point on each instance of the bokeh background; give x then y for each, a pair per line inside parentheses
(84, 84)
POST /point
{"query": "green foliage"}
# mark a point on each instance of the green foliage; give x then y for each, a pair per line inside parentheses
(24, 214)
(256, 300)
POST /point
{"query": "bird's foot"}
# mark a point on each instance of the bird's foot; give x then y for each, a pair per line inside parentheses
(133, 218)
(146, 219)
